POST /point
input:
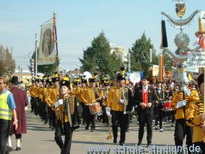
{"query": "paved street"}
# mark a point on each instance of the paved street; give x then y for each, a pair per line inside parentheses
(40, 139)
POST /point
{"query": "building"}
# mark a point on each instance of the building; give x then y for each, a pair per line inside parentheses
(120, 52)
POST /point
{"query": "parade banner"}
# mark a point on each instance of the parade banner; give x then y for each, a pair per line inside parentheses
(196, 59)
(155, 70)
(47, 46)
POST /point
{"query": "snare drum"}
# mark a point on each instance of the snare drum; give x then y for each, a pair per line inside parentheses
(95, 108)
(167, 106)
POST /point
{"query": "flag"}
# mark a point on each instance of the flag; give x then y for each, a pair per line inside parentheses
(47, 47)
(164, 43)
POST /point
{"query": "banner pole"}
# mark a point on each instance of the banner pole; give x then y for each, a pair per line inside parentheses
(36, 56)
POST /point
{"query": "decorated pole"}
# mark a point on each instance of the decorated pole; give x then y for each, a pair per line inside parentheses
(161, 68)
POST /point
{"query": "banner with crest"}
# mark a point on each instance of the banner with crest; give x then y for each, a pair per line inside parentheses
(47, 46)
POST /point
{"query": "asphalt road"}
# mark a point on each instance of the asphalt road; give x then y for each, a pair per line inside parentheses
(40, 139)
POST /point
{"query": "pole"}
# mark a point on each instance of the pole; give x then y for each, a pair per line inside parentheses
(161, 67)
(36, 65)
(150, 55)
(129, 66)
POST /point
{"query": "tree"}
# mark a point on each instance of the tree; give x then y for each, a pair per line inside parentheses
(7, 63)
(168, 60)
(140, 55)
(98, 57)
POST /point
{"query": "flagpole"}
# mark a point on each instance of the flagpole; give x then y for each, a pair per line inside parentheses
(36, 65)
(54, 25)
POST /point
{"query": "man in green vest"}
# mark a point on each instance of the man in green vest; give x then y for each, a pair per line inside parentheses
(7, 112)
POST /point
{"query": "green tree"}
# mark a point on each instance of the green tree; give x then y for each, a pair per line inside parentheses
(98, 57)
(140, 55)
(167, 61)
(7, 63)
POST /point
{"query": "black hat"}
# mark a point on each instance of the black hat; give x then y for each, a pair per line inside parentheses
(92, 79)
(106, 82)
(76, 81)
(55, 77)
(83, 79)
(65, 81)
(120, 77)
(200, 79)
(14, 80)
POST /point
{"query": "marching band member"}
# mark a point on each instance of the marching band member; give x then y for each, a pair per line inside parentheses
(180, 103)
(90, 95)
(66, 117)
(160, 98)
(120, 100)
(144, 97)
(52, 97)
(105, 90)
(195, 117)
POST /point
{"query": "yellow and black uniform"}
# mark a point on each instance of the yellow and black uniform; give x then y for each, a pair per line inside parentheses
(194, 118)
(52, 97)
(77, 91)
(89, 96)
(67, 120)
(181, 128)
(104, 93)
(32, 94)
(120, 101)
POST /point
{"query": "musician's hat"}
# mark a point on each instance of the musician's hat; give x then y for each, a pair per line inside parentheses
(55, 77)
(94, 78)
(121, 75)
(65, 81)
(84, 79)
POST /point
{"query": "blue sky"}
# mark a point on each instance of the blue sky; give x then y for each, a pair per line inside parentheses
(79, 21)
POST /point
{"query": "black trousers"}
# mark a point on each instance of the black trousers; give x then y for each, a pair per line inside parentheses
(159, 115)
(4, 134)
(63, 129)
(52, 118)
(119, 120)
(145, 117)
(182, 130)
(90, 118)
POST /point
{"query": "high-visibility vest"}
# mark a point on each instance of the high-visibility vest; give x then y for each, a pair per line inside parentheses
(5, 111)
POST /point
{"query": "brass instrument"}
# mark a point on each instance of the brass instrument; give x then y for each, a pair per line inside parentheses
(69, 107)
(124, 93)
(109, 136)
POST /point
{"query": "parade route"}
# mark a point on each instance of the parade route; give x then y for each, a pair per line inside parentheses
(40, 138)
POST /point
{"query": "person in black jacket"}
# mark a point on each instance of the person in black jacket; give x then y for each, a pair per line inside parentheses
(144, 99)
